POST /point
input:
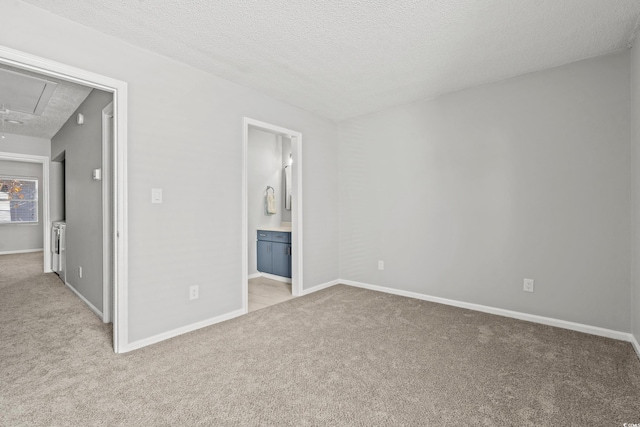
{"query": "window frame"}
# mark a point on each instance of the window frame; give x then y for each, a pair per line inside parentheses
(33, 179)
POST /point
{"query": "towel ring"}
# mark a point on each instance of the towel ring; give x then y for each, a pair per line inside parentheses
(270, 188)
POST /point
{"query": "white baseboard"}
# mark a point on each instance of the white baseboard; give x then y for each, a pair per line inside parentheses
(86, 301)
(635, 344)
(274, 277)
(319, 287)
(189, 328)
(593, 330)
(182, 330)
(22, 251)
(254, 276)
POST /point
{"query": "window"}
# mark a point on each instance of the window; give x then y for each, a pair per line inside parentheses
(18, 200)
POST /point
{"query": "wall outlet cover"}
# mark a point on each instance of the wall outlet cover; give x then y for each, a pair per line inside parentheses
(193, 292)
(528, 285)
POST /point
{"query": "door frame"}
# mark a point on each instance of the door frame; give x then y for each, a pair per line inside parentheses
(119, 90)
(296, 205)
(107, 213)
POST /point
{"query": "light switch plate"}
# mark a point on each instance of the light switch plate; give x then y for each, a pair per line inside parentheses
(156, 195)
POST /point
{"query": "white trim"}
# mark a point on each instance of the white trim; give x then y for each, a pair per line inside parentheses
(245, 216)
(212, 321)
(119, 89)
(296, 216)
(21, 251)
(107, 209)
(320, 287)
(45, 221)
(296, 207)
(183, 330)
(275, 277)
(121, 221)
(588, 329)
(635, 344)
(190, 328)
(86, 301)
(254, 276)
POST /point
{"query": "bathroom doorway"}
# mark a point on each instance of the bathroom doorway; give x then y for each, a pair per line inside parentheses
(271, 212)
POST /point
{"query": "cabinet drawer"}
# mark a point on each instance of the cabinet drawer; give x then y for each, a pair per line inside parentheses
(265, 235)
(282, 237)
(275, 236)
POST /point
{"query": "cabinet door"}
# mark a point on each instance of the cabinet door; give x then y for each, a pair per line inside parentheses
(281, 259)
(265, 264)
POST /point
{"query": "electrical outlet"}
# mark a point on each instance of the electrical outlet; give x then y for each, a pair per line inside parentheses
(528, 285)
(380, 265)
(80, 272)
(193, 292)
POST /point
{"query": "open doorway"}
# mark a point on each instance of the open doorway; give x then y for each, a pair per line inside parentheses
(272, 213)
(23, 198)
(113, 225)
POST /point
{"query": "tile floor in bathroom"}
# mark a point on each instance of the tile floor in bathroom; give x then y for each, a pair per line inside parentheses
(264, 292)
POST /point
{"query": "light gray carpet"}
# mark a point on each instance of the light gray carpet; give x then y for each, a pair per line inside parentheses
(339, 357)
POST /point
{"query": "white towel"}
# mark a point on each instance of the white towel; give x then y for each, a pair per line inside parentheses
(287, 188)
(271, 203)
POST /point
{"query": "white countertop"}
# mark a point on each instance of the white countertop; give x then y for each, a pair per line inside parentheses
(276, 228)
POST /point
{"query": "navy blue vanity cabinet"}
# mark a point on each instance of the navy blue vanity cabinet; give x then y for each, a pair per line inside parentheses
(265, 260)
(281, 259)
(274, 252)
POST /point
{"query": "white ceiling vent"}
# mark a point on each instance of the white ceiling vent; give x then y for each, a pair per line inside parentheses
(23, 93)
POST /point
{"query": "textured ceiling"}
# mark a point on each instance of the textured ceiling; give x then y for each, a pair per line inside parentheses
(342, 58)
(66, 99)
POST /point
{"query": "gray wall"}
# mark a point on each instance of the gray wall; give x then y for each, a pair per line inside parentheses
(22, 237)
(185, 126)
(56, 190)
(466, 195)
(286, 151)
(462, 196)
(635, 114)
(82, 147)
(264, 161)
(19, 144)
(25, 145)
